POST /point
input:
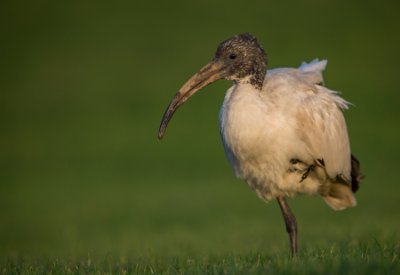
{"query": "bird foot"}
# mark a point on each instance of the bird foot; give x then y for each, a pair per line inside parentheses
(307, 172)
(297, 166)
(301, 167)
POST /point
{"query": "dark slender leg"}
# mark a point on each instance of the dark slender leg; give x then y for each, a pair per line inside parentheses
(291, 224)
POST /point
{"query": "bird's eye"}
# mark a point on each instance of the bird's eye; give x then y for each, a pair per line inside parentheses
(232, 56)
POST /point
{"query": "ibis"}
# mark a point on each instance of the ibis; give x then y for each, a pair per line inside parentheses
(283, 131)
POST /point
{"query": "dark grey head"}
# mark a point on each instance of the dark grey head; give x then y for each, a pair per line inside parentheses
(244, 58)
(239, 58)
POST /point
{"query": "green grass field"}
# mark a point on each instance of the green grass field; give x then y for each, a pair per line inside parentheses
(86, 187)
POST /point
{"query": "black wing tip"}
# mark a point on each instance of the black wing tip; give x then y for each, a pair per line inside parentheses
(356, 175)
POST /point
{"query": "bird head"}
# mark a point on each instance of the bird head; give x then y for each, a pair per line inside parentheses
(240, 58)
(243, 58)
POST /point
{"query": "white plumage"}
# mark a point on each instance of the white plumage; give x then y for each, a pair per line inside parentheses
(291, 117)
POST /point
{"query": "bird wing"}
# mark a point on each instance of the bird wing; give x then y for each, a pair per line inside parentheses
(322, 127)
(321, 124)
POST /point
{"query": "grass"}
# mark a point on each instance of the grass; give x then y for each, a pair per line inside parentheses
(355, 258)
(86, 187)
(199, 228)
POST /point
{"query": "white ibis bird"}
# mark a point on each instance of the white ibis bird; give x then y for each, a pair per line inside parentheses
(283, 132)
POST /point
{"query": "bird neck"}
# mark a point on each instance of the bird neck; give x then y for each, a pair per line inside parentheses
(258, 72)
(256, 80)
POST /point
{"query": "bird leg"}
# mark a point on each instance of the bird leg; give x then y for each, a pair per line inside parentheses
(291, 224)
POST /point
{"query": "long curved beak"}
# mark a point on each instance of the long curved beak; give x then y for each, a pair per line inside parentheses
(208, 74)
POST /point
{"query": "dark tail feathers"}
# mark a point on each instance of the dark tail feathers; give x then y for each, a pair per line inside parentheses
(356, 175)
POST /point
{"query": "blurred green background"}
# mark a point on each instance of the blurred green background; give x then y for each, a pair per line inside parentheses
(83, 87)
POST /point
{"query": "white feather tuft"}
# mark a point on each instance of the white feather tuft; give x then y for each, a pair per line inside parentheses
(314, 66)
